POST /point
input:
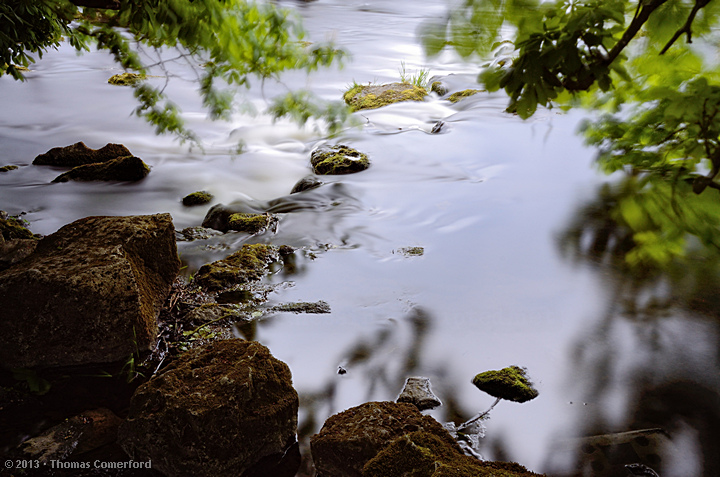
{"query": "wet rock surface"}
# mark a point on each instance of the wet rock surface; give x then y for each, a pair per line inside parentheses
(250, 263)
(89, 293)
(371, 96)
(79, 154)
(339, 159)
(197, 198)
(126, 169)
(348, 440)
(221, 409)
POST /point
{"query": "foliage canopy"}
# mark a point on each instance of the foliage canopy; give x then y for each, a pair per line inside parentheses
(226, 41)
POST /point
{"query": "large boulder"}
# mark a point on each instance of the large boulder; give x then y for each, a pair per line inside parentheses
(89, 293)
(79, 154)
(350, 439)
(373, 96)
(217, 411)
(126, 169)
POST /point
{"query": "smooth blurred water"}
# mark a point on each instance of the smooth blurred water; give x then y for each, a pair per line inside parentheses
(488, 199)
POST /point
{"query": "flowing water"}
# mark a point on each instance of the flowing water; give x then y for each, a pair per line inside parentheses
(489, 199)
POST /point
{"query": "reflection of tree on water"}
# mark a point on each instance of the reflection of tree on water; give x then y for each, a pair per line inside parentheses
(656, 346)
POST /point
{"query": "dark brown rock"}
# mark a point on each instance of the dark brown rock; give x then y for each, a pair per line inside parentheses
(79, 154)
(250, 263)
(348, 440)
(13, 251)
(217, 411)
(127, 169)
(89, 293)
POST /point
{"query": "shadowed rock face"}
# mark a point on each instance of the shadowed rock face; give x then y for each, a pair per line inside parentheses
(79, 154)
(89, 293)
(348, 440)
(128, 168)
(217, 411)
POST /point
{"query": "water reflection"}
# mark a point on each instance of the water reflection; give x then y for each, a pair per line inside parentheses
(651, 360)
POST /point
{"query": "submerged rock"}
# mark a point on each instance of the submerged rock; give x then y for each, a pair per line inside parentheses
(422, 454)
(129, 168)
(79, 154)
(339, 159)
(217, 411)
(306, 183)
(89, 293)
(509, 383)
(125, 79)
(188, 234)
(197, 198)
(248, 264)
(348, 440)
(8, 168)
(318, 307)
(455, 97)
(376, 96)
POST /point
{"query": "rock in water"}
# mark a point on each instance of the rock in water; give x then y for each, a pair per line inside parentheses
(79, 154)
(89, 293)
(217, 411)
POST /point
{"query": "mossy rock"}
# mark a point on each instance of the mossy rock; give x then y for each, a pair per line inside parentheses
(509, 383)
(340, 159)
(125, 79)
(8, 168)
(250, 223)
(126, 169)
(439, 88)
(412, 251)
(197, 198)
(318, 307)
(12, 228)
(361, 97)
(79, 154)
(248, 264)
(455, 97)
(422, 454)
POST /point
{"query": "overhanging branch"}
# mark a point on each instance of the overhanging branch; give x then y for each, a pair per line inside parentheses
(686, 28)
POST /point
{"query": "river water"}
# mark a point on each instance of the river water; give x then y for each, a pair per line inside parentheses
(489, 199)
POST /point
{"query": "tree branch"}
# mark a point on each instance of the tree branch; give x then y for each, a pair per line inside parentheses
(103, 4)
(686, 27)
(637, 22)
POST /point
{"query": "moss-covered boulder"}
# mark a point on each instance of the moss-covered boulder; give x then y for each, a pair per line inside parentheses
(250, 223)
(79, 154)
(509, 383)
(216, 411)
(455, 97)
(125, 79)
(89, 293)
(422, 454)
(197, 198)
(360, 97)
(126, 169)
(339, 159)
(8, 168)
(350, 439)
(12, 228)
(438, 88)
(248, 264)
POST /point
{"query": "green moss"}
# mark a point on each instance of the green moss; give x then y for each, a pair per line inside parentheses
(130, 169)
(508, 383)
(439, 88)
(12, 228)
(248, 264)
(360, 97)
(455, 97)
(412, 251)
(318, 307)
(125, 79)
(250, 223)
(8, 168)
(197, 198)
(329, 160)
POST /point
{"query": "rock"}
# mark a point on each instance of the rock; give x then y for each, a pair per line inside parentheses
(12, 228)
(455, 97)
(212, 312)
(418, 393)
(197, 198)
(250, 223)
(74, 436)
(348, 440)
(439, 88)
(79, 154)
(305, 183)
(412, 251)
(338, 159)
(437, 127)
(89, 293)
(509, 383)
(318, 307)
(14, 251)
(422, 454)
(125, 79)
(216, 411)
(376, 96)
(128, 168)
(8, 168)
(250, 263)
(189, 234)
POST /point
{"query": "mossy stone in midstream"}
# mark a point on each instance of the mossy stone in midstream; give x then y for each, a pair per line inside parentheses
(250, 223)
(8, 168)
(126, 169)
(125, 79)
(375, 96)
(509, 383)
(439, 88)
(457, 96)
(339, 159)
(197, 198)
(248, 264)
(12, 228)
